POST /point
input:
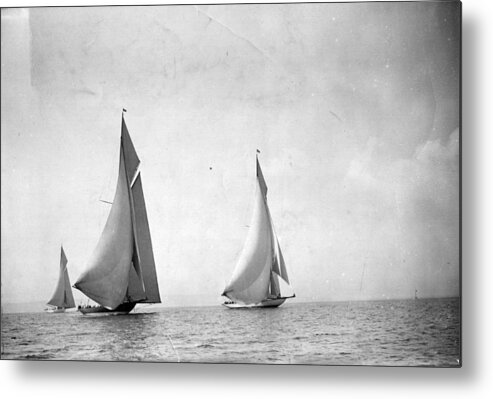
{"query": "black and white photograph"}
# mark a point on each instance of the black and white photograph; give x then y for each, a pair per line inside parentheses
(264, 184)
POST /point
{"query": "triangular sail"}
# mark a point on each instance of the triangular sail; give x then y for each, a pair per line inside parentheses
(144, 244)
(282, 265)
(132, 160)
(251, 277)
(69, 297)
(275, 290)
(261, 180)
(106, 278)
(63, 297)
(278, 265)
(135, 289)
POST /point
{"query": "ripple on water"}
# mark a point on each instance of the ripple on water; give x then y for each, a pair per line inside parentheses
(372, 333)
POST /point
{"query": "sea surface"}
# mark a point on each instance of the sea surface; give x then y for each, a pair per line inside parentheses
(423, 332)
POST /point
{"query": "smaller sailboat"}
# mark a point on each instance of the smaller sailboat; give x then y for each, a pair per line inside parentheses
(255, 280)
(62, 297)
(121, 271)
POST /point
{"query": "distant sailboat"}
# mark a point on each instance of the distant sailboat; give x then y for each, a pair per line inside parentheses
(122, 272)
(62, 297)
(255, 280)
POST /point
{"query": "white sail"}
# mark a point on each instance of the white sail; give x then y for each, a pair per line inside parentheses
(63, 297)
(106, 278)
(284, 272)
(278, 265)
(251, 277)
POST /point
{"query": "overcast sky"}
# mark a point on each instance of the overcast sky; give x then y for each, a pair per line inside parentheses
(354, 107)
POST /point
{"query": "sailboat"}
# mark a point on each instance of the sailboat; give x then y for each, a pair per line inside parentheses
(62, 298)
(255, 280)
(121, 271)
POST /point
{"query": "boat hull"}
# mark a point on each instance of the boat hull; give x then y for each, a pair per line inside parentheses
(60, 310)
(123, 309)
(267, 303)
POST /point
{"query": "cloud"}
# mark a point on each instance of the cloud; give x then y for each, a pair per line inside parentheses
(434, 152)
(410, 208)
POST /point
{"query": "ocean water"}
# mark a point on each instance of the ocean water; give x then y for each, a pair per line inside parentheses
(424, 332)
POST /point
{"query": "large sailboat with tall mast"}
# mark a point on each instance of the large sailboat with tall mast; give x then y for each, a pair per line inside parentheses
(62, 298)
(121, 271)
(255, 281)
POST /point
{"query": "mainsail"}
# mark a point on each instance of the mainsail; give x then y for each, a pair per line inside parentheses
(122, 267)
(255, 277)
(63, 297)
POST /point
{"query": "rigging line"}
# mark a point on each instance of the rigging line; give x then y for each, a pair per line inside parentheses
(176, 353)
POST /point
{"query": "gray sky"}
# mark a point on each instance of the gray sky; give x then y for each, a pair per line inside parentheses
(355, 108)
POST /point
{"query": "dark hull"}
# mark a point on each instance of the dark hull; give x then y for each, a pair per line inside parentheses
(124, 308)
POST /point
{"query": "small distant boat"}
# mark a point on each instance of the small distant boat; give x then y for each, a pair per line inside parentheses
(416, 294)
(122, 272)
(255, 280)
(62, 297)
